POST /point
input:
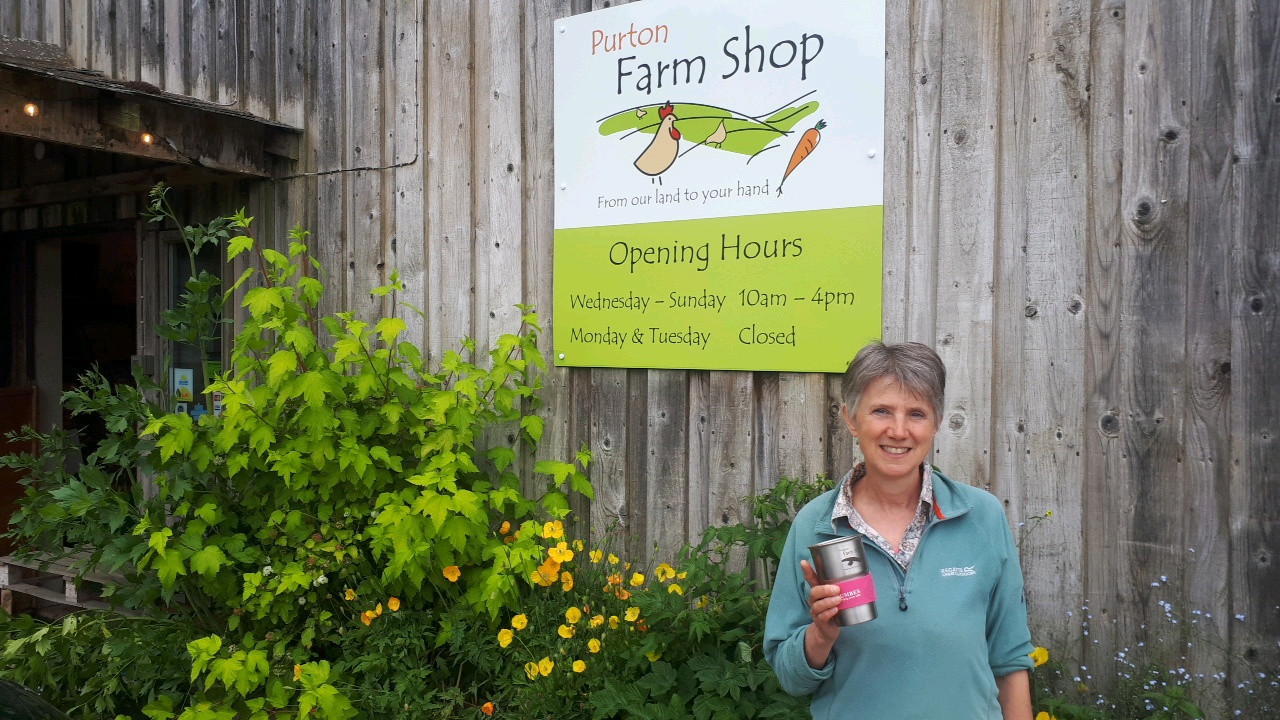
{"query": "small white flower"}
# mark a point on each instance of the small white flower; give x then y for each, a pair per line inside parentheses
(1240, 618)
(319, 581)
(267, 571)
(302, 601)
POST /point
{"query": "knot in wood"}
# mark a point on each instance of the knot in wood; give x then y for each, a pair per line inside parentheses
(1144, 211)
(1169, 135)
(956, 422)
(1256, 304)
(1031, 311)
(1110, 425)
(1075, 306)
(961, 135)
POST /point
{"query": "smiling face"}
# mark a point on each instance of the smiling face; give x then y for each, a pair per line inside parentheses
(894, 427)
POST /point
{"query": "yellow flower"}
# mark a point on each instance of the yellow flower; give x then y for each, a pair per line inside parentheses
(596, 555)
(1045, 716)
(702, 602)
(597, 621)
(653, 655)
(593, 645)
(682, 575)
(1040, 656)
(504, 637)
(545, 666)
(520, 621)
(675, 588)
(452, 573)
(560, 553)
(297, 673)
(367, 617)
(1048, 513)
(566, 581)
(578, 545)
(506, 527)
(553, 529)
(637, 580)
(573, 615)
(565, 631)
(613, 559)
(349, 594)
(531, 669)
(623, 595)
(632, 613)
(579, 666)
(547, 573)
(394, 604)
(613, 622)
(378, 610)
(626, 566)
(664, 572)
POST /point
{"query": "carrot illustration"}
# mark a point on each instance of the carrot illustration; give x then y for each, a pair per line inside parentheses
(807, 143)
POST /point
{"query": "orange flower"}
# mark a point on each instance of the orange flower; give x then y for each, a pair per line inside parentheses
(452, 573)
(623, 595)
(547, 573)
(367, 617)
(506, 528)
(566, 581)
(377, 611)
(394, 604)
(487, 709)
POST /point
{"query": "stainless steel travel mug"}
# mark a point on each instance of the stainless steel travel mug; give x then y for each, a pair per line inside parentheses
(843, 562)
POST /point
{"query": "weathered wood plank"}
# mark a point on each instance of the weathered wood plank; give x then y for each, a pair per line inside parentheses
(699, 435)
(498, 161)
(451, 291)
(259, 57)
(731, 433)
(176, 43)
(1255, 340)
(406, 222)
(76, 31)
(537, 145)
(898, 127)
(52, 23)
(364, 111)
(1207, 467)
(609, 511)
(227, 53)
(841, 448)
(924, 143)
(328, 150)
(30, 19)
(127, 39)
(769, 429)
(1105, 489)
(100, 23)
(151, 40)
(198, 53)
(666, 448)
(802, 424)
(966, 236)
(1153, 316)
(290, 52)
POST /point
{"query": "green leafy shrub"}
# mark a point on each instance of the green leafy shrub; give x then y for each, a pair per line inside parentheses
(342, 468)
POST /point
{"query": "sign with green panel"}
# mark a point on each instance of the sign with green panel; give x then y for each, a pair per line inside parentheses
(718, 179)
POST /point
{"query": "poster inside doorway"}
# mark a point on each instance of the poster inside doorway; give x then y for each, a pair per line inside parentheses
(718, 175)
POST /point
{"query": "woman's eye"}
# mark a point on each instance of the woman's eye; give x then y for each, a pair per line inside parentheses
(880, 411)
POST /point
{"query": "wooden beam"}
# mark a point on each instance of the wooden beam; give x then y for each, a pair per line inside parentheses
(33, 52)
(99, 119)
(135, 181)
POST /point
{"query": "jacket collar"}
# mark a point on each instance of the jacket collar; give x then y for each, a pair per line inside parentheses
(948, 503)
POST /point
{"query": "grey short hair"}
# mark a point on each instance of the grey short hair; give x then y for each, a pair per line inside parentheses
(916, 367)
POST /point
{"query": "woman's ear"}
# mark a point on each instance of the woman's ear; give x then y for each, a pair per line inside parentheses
(848, 420)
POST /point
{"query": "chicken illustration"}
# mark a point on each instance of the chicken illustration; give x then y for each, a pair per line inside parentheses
(716, 139)
(664, 147)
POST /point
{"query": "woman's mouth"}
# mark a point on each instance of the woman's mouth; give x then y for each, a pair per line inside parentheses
(895, 450)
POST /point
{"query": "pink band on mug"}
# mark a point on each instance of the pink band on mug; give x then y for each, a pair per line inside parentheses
(858, 591)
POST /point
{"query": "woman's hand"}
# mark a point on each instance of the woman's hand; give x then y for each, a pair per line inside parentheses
(824, 603)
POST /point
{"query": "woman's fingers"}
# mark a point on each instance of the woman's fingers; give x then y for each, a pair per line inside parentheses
(824, 600)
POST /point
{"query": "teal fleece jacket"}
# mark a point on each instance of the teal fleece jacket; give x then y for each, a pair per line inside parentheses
(946, 628)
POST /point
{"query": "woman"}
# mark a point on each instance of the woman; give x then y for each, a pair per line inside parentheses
(951, 639)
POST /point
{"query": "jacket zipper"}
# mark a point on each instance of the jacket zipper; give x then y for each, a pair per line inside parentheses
(899, 574)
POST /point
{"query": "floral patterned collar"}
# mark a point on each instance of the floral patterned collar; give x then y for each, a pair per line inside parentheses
(911, 540)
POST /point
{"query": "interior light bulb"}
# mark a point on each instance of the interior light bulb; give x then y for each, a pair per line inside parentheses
(31, 109)
(148, 138)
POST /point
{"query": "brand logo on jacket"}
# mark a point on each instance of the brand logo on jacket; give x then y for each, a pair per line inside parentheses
(959, 571)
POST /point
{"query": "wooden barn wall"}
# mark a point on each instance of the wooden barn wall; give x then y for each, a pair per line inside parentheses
(1081, 199)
